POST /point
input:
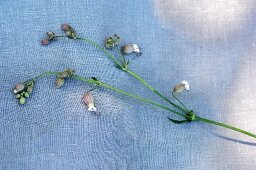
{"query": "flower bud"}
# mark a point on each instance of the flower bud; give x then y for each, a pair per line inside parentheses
(184, 85)
(26, 94)
(30, 89)
(22, 100)
(19, 87)
(69, 31)
(112, 41)
(18, 96)
(59, 82)
(88, 101)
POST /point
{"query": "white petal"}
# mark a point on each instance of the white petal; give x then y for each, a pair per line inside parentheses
(136, 48)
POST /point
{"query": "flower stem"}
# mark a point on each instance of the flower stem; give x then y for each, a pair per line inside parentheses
(178, 100)
(155, 91)
(60, 36)
(225, 126)
(45, 74)
(112, 57)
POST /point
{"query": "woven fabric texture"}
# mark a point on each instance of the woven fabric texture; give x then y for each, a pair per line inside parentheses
(209, 43)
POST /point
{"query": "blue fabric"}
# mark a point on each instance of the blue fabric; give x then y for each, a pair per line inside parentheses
(211, 44)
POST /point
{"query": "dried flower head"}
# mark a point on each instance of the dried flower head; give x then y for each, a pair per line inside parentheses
(184, 85)
(69, 31)
(88, 101)
(23, 91)
(50, 37)
(131, 48)
(112, 41)
(67, 73)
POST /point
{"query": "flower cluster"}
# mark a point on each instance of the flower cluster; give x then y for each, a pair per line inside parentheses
(23, 91)
(67, 73)
(50, 36)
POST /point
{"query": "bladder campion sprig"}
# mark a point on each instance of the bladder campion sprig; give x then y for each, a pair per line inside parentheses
(122, 63)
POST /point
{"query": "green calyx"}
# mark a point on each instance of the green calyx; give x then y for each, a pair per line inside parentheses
(22, 100)
(190, 116)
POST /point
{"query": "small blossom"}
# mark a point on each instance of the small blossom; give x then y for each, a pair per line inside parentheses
(69, 31)
(131, 48)
(88, 101)
(184, 85)
(112, 41)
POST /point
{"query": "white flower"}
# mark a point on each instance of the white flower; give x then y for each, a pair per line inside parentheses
(184, 85)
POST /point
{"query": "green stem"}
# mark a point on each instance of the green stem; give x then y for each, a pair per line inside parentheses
(226, 126)
(60, 36)
(112, 57)
(45, 74)
(155, 91)
(178, 100)
(122, 58)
